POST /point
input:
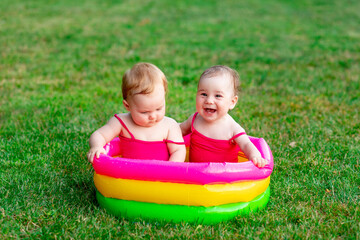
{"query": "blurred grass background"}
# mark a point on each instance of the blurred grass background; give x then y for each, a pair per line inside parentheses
(61, 65)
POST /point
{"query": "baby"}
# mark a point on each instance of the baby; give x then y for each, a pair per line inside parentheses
(144, 131)
(215, 135)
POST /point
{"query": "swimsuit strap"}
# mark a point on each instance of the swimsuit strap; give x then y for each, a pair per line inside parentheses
(169, 141)
(237, 135)
(123, 124)
(192, 122)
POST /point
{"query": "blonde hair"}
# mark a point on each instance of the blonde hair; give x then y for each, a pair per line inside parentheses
(141, 79)
(221, 69)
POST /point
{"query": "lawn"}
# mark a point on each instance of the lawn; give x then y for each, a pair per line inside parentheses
(61, 65)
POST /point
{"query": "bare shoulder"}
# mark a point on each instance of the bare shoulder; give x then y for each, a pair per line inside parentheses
(111, 129)
(123, 116)
(189, 119)
(170, 122)
(172, 129)
(114, 122)
(186, 125)
(235, 126)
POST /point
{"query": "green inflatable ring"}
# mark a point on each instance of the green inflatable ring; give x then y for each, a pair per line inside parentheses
(178, 213)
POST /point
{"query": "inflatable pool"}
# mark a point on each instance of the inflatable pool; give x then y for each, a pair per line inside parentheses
(193, 192)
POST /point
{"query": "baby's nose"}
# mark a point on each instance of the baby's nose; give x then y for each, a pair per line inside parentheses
(209, 99)
(151, 116)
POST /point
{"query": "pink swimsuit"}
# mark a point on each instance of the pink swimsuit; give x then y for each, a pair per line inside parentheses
(205, 149)
(139, 149)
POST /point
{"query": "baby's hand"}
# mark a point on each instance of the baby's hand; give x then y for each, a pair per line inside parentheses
(259, 161)
(95, 152)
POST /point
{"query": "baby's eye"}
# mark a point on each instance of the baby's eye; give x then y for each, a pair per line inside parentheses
(218, 96)
(203, 94)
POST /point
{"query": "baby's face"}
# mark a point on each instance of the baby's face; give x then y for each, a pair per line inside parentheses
(215, 97)
(148, 109)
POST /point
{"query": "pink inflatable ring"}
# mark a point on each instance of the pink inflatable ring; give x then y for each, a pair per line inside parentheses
(149, 184)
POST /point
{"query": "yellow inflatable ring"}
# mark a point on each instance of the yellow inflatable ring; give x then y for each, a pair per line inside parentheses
(178, 193)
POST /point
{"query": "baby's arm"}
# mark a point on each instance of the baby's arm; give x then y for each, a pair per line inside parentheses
(186, 126)
(177, 151)
(102, 136)
(250, 151)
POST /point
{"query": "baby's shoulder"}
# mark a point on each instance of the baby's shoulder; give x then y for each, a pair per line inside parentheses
(119, 119)
(125, 117)
(169, 121)
(235, 126)
(122, 115)
(168, 126)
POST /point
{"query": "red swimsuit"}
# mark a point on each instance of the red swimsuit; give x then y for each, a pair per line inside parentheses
(139, 149)
(205, 149)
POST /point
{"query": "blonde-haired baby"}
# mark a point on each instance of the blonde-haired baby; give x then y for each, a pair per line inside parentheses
(144, 131)
(215, 135)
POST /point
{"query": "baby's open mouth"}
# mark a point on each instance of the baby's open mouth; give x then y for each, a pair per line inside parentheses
(210, 110)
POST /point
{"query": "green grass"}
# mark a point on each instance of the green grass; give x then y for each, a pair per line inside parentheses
(61, 65)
